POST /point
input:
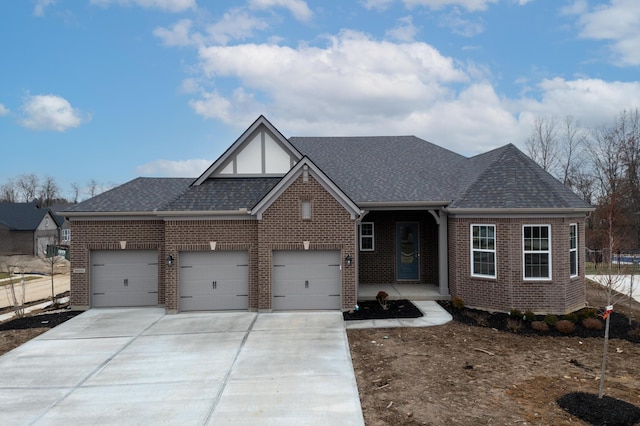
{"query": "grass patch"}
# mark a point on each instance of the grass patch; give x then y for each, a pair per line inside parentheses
(16, 279)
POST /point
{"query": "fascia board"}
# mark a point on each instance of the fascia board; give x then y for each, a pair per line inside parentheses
(520, 212)
(322, 178)
(402, 205)
(260, 121)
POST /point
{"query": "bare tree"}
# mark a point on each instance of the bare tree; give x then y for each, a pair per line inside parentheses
(27, 185)
(572, 141)
(542, 144)
(8, 192)
(16, 296)
(75, 188)
(49, 191)
(92, 188)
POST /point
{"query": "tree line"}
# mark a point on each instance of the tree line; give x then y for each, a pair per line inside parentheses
(600, 164)
(45, 191)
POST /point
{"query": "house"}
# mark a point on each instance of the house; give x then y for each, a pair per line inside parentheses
(27, 229)
(280, 223)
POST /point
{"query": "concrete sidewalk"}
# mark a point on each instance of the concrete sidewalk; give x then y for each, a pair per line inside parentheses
(140, 366)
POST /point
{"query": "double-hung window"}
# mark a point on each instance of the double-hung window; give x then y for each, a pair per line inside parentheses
(483, 251)
(366, 236)
(573, 249)
(537, 252)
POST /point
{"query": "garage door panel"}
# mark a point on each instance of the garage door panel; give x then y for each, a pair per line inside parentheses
(124, 278)
(306, 280)
(214, 281)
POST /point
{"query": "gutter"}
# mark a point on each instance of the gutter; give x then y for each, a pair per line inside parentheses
(157, 214)
(534, 211)
(401, 205)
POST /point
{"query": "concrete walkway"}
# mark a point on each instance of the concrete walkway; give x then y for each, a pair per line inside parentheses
(434, 314)
(140, 366)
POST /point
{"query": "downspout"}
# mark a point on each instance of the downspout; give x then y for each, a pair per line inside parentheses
(356, 255)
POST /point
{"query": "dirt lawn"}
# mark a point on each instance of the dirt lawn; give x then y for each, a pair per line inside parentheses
(458, 374)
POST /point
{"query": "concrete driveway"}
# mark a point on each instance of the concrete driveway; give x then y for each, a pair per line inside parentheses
(140, 366)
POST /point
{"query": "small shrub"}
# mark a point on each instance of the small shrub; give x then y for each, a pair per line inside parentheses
(634, 333)
(481, 318)
(565, 326)
(514, 325)
(551, 320)
(592, 324)
(515, 313)
(587, 313)
(382, 297)
(529, 315)
(540, 326)
(457, 303)
(573, 317)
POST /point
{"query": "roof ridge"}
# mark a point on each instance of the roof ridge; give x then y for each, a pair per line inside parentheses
(482, 173)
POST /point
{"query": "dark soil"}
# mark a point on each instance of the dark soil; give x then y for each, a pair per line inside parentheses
(371, 309)
(45, 320)
(619, 326)
(600, 411)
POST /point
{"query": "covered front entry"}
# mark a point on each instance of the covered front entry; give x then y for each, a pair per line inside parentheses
(124, 278)
(306, 280)
(213, 280)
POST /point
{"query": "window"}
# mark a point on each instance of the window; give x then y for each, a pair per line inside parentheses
(537, 251)
(366, 236)
(306, 210)
(573, 249)
(483, 251)
(66, 234)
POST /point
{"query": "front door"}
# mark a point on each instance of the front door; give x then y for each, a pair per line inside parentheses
(408, 250)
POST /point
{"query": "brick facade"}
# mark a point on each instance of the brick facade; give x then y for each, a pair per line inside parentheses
(379, 266)
(281, 228)
(509, 290)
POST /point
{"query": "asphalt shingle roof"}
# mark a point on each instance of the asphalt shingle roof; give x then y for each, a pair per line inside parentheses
(507, 178)
(138, 195)
(385, 168)
(22, 216)
(396, 169)
(223, 194)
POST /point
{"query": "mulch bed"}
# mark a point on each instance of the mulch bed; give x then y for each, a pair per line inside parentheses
(45, 320)
(619, 327)
(600, 411)
(371, 309)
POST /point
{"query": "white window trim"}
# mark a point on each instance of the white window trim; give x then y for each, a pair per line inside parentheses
(372, 236)
(571, 226)
(472, 250)
(524, 253)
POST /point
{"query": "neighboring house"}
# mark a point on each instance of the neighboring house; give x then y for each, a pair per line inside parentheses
(27, 229)
(65, 226)
(301, 223)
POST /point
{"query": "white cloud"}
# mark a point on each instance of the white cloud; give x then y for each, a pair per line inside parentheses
(461, 26)
(41, 5)
(169, 168)
(298, 8)
(617, 22)
(50, 112)
(178, 35)
(235, 24)
(470, 5)
(165, 5)
(4, 110)
(404, 31)
(377, 4)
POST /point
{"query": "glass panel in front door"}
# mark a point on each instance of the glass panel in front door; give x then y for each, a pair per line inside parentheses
(407, 249)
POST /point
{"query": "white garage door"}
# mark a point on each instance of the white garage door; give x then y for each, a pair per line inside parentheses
(124, 278)
(214, 280)
(307, 280)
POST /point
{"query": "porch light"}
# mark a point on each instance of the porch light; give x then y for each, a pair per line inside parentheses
(169, 260)
(348, 259)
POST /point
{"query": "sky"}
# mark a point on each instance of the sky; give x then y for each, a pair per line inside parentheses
(109, 90)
